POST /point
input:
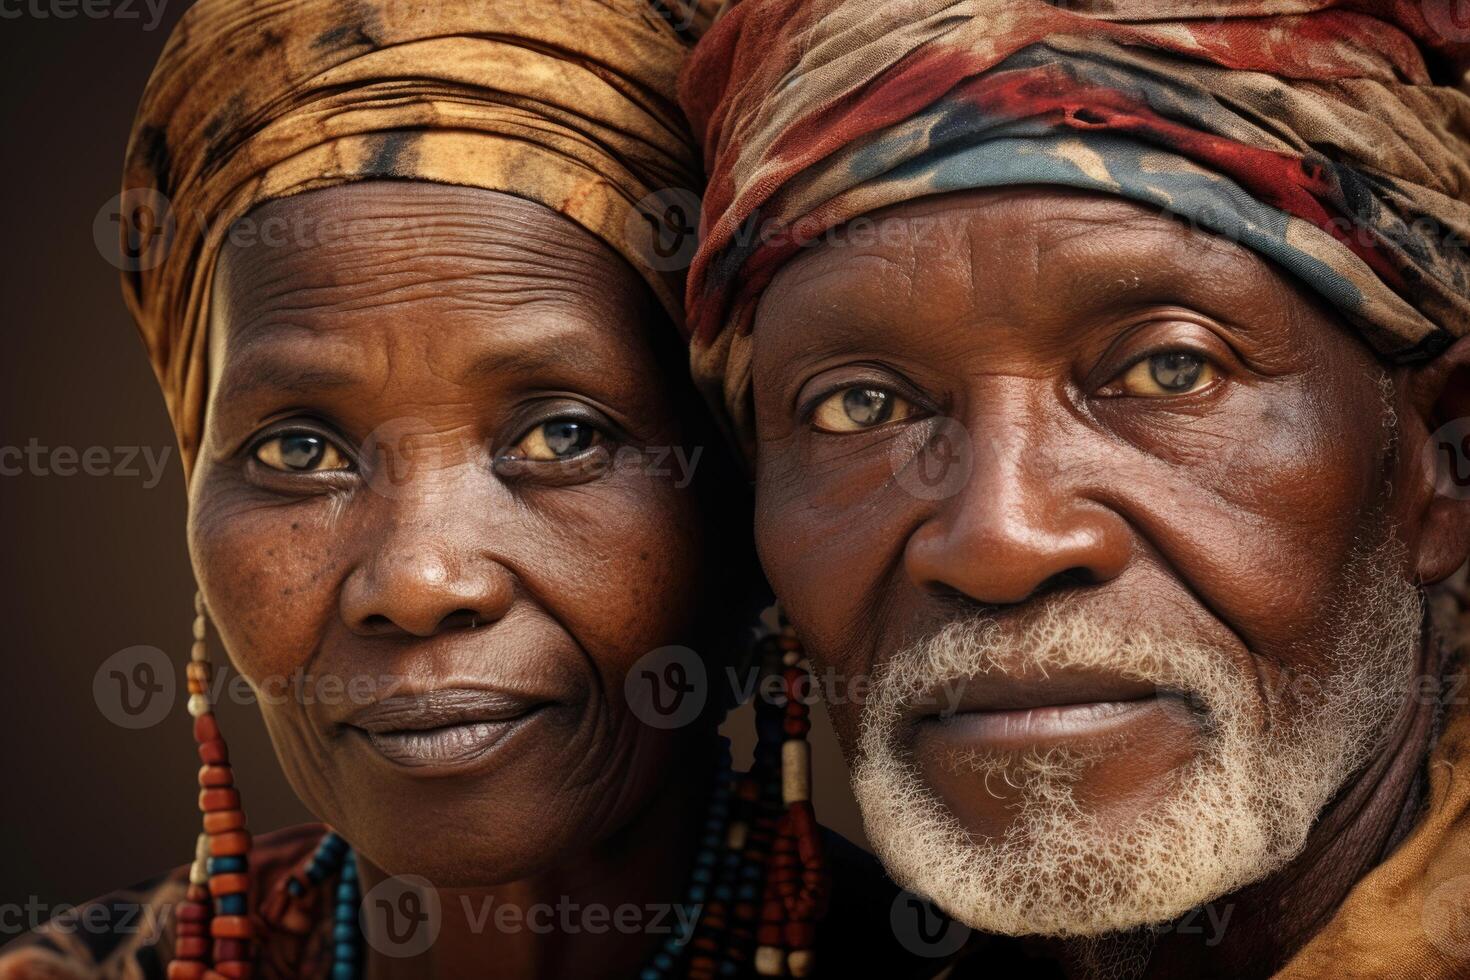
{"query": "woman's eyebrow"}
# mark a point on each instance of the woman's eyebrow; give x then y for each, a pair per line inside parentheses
(279, 377)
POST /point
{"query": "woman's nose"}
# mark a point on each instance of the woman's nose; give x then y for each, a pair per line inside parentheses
(422, 577)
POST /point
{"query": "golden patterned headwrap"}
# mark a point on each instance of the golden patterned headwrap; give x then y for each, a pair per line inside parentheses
(569, 103)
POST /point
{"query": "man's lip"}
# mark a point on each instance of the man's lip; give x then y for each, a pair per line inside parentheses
(1001, 693)
(443, 708)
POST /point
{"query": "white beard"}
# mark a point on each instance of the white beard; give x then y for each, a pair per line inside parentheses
(1241, 809)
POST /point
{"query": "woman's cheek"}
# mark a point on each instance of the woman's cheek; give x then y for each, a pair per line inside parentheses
(266, 573)
(631, 556)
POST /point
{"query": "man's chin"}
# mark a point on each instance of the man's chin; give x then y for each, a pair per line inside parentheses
(1114, 761)
(1047, 866)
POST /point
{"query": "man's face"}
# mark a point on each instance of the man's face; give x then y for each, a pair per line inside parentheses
(1104, 509)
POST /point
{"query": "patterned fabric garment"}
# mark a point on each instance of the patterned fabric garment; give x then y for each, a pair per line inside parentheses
(1328, 135)
(569, 103)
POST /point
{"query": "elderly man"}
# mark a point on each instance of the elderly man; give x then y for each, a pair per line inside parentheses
(1106, 373)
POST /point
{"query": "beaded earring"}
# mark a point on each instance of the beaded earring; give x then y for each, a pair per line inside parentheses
(214, 927)
(797, 886)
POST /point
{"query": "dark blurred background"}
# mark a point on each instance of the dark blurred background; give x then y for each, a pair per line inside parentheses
(96, 564)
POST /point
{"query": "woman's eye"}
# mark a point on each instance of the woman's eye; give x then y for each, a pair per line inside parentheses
(300, 452)
(859, 408)
(1171, 373)
(557, 439)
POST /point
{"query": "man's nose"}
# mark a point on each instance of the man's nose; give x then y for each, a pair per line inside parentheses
(1022, 524)
(435, 563)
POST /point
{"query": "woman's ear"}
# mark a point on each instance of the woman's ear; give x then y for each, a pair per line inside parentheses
(1439, 394)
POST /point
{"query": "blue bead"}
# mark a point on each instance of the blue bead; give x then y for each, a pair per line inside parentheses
(344, 932)
(344, 971)
(747, 893)
(346, 912)
(705, 857)
(650, 973)
(230, 905)
(295, 887)
(663, 961)
(231, 864)
(696, 893)
(722, 893)
(346, 892)
(345, 952)
(701, 875)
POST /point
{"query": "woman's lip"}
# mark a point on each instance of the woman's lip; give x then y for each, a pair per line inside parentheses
(447, 748)
(1021, 728)
(444, 731)
(442, 708)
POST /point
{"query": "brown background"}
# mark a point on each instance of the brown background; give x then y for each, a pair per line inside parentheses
(96, 564)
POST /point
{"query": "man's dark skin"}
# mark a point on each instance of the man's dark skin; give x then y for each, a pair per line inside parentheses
(1224, 510)
(429, 350)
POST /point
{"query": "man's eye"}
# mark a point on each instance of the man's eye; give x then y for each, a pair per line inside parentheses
(300, 452)
(1171, 373)
(858, 409)
(557, 439)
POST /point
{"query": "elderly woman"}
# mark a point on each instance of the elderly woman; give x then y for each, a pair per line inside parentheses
(1105, 365)
(401, 271)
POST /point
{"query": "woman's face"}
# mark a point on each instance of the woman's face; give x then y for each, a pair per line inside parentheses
(442, 506)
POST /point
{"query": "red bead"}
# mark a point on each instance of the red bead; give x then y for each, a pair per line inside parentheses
(206, 728)
(191, 947)
(214, 752)
(222, 798)
(223, 820)
(229, 844)
(229, 884)
(211, 776)
(228, 950)
(190, 929)
(192, 912)
(800, 935)
(186, 970)
(235, 969)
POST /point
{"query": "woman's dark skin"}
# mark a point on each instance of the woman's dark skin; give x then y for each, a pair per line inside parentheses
(1224, 510)
(429, 464)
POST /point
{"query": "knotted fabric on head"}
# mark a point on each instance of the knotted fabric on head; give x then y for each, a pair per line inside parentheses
(1332, 136)
(568, 103)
